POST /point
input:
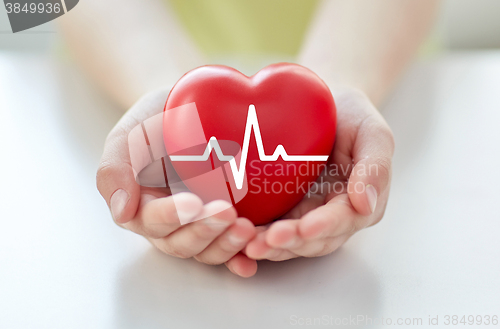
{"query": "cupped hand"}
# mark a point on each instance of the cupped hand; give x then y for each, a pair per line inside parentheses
(351, 195)
(151, 212)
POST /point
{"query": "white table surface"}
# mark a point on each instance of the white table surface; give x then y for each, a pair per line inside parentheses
(64, 264)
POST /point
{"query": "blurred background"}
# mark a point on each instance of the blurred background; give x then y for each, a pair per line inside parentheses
(462, 25)
(65, 264)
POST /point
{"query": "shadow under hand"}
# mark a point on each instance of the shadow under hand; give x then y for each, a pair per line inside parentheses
(159, 291)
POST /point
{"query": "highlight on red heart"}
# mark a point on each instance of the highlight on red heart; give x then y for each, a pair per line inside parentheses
(260, 142)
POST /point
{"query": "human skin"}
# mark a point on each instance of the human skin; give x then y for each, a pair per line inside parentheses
(359, 47)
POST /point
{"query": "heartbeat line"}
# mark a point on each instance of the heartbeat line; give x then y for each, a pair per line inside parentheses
(239, 173)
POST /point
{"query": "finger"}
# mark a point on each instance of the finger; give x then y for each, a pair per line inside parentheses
(335, 218)
(228, 244)
(160, 217)
(258, 249)
(281, 255)
(115, 176)
(321, 247)
(242, 265)
(193, 238)
(258, 229)
(372, 154)
(285, 235)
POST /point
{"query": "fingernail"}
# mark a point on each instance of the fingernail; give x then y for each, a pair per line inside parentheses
(118, 201)
(235, 240)
(371, 195)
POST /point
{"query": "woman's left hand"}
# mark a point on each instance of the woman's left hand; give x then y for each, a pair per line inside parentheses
(352, 195)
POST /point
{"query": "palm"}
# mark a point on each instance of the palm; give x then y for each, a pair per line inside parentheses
(322, 221)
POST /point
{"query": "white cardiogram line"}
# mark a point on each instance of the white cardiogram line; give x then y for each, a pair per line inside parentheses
(239, 173)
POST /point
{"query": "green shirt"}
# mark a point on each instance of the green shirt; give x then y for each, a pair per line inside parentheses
(246, 26)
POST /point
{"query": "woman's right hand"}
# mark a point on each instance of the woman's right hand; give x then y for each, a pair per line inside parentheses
(151, 212)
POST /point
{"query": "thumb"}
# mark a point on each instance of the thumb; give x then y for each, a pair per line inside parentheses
(116, 180)
(126, 153)
(369, 182)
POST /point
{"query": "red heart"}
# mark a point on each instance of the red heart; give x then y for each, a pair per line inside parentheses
(294, 108)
